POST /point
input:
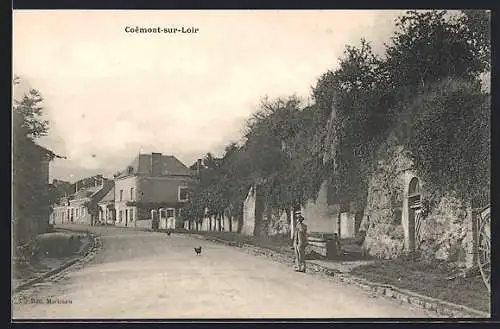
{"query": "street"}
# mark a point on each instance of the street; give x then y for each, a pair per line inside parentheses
(152, 275)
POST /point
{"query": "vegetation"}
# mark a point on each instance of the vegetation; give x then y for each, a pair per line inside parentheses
(31, 200)
(428, 279)
(425, 87)
(59, 189)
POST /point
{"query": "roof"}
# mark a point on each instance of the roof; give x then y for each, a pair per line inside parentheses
(86, 192)
(48, 153)
(170, 166)
(110, 196)
(94, 192)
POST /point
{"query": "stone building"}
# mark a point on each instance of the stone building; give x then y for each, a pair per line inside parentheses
(152, 182)
(78, 208)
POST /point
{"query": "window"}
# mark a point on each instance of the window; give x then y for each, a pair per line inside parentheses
(183, 193)
(170, 213)
(131, 214)
(131, 193)
(126, 215)
(120, 216)
(121, 195)
(414, 187)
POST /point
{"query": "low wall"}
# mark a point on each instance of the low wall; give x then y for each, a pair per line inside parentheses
(144, 223)
(230, 224)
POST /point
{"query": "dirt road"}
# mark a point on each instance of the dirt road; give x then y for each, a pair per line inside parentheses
(152, 275)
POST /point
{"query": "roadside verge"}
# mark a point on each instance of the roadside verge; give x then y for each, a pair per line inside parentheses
(86, 252)
(436, 306)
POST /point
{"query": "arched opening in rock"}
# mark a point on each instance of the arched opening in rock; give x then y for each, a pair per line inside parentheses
(414, 214)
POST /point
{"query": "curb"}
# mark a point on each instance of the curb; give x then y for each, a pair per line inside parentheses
(85, 251)
(440, 307)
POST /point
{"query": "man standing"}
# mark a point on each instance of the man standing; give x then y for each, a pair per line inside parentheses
(299, 244)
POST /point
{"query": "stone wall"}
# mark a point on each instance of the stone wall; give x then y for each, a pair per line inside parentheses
(248, 227)
(320, 217)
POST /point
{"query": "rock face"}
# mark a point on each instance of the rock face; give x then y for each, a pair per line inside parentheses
(382, 216)
(444, 233)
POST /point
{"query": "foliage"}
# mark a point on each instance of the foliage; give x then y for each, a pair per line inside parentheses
(369, 98)
(92, 207)
(59, 189)
(449, 139)
(273, 156)
(31, 110)
(289, 150)
(431, 45)
(357, 121)
(30, 194)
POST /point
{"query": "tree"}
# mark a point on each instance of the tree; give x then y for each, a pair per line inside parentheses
(30, 194)
(59, 189)
(289, 150)
(353, 95)
(432, 45)
(31, 110)
(93, 209)
(368, 96)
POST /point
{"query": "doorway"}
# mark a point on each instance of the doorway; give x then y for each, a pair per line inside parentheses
(414, 214)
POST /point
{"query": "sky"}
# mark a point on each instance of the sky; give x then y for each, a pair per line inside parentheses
(110, 95)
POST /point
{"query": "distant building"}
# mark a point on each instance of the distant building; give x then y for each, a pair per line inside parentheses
(107, 213)
(78, 208)
(152, 182)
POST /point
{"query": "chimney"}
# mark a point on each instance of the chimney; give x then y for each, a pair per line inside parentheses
(198, 166)
(76, 187)
(155, 164)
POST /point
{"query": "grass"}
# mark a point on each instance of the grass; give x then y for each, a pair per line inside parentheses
(54, 250)
(429, 280)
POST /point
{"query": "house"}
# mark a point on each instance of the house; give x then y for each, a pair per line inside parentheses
(60, 211)
(107, 213)
(82, 207)
(152, 183)
(30, 182)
